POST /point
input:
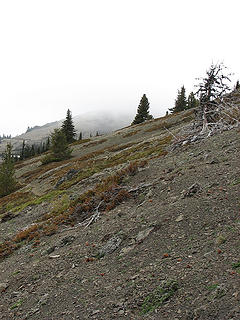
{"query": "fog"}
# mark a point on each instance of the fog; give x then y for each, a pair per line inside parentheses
(104, 55)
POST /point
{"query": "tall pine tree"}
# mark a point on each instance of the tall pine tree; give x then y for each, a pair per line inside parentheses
(68, 127)
(142, 111)
(180, 102)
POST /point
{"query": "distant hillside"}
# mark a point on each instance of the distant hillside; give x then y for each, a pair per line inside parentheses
(89, 124)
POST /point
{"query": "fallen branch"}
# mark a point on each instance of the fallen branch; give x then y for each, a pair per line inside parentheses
(93, 217)
(171, 133)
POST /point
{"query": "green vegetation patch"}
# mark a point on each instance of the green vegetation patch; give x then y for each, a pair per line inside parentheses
(137, 152)
(14, 200)
(16, 304)
(160, 295)
(38, 200)
(213, 287)
(236, 266)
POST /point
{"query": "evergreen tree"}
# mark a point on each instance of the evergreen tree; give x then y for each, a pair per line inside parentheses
(237, 87)
(23, 150)
(68, 127)
(32, 152)
(142, 111)
(48, 144)
(7, 179)
(80, 136)
(192, 102)
(180, 102)
(58, 146)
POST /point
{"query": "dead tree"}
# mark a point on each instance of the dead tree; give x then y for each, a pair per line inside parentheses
(211, 91)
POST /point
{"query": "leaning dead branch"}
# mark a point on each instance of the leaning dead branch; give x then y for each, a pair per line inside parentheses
(93, 217)
(176, 138)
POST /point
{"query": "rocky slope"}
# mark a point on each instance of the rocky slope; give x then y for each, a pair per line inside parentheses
(139, 224)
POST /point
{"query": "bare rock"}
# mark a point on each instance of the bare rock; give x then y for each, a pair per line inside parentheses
(68, 176)
(110, 246)
(144, 234)
(192, 190)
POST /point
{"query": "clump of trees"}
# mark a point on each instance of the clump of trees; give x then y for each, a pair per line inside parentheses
(184, 103)
(28, 151)
(7, 179)
(59, 148)
(142, 111)
(5, 137)
(60, 140)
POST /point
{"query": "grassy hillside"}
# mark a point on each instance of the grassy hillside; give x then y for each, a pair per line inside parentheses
(140, 223)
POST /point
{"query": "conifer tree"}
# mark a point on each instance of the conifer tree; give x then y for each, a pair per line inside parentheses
(142, 111)
(80, 136)
(47, 144)
(22, 155)
(180, 102)
(68, 127)
(237, 87)
(192, 102)
(7, 179)
(58, 146)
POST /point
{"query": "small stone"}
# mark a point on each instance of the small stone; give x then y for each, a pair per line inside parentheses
(54, 257)
(149, 194)
(67, 240)
(3, 286)
(126, 250)
(179, 218)
(121, 312)
(95, 312)
(143, 234)
(135, 276)
(50, 250)
(43, 300)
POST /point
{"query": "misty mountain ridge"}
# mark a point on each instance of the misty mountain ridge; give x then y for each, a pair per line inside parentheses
(90, 123)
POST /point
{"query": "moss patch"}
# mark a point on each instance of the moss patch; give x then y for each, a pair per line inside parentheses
(160, 295)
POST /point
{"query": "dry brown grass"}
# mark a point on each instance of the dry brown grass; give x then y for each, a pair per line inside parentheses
(95, 143)
(130, 134)
(78, 142)
(68, 212)
(120, 147)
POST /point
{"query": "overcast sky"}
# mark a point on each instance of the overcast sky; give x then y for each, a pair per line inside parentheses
(105, 54)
